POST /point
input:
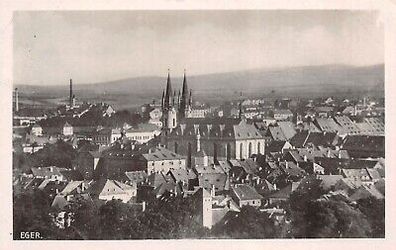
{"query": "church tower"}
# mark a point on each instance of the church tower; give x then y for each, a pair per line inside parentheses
(184, 101)
(168, 109)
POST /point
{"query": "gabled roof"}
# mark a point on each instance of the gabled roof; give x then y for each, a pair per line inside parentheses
(276, 133)
(182, 175)
(370, 146)
(136, 176)
(329, 180)
(246, 192)
(365, 191)
(249, 165)
(108, 187)
(291, 169)
(328, 125)
(276, 146)
(156, 179)
(287, 128)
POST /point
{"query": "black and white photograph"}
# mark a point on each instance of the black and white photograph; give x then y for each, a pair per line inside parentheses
(217, 124)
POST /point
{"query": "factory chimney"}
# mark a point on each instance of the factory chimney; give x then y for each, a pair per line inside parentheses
(16, 100)
(71, 93)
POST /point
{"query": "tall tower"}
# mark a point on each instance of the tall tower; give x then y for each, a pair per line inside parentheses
(16, 100)
(168, 93)
(168, 110)
(184, 102)
(71, 94)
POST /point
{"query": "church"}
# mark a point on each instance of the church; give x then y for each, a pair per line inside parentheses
(218, 138)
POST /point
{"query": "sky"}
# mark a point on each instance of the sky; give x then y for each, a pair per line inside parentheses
(95, 46)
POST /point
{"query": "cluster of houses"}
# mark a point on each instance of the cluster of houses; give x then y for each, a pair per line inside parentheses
(223, 163)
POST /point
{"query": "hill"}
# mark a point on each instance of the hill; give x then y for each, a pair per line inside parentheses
(294, 81)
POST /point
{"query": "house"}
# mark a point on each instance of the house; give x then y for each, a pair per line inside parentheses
(106, 136)
(278, 146)
(324, 111)
(287, 128)
(50, 173)
(212, 177)
(329, 181)
(187, 178)
(67, 129)
(87, 162)
(283, 114)
(160, 159)
(138, 177)
(347, 125)
(244, 195)
(106, 190)
(328, 125)
(73, 191)
(366, 191)
(305, 138)
(364, 146)
(292, 170)
(143, 132)
(281, 195)
(348, 184)
(275, 133)
(36, 130)
(365, 175)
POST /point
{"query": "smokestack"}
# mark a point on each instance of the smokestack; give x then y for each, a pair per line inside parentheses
(16, 100)
(71, 93)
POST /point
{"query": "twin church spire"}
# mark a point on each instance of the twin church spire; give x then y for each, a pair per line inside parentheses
(180, 102)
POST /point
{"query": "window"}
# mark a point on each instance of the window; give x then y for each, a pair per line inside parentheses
(250, 149)
(258, 148)
(241, 151)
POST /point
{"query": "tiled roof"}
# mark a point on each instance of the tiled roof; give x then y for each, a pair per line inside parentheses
(182, 174)
(108, 187)
(370, 146)
(288, 129)
(328, 125)
(216, 127)
(136, 176)
(365, 191)
(160, 154)
(143, 127)
(45, 171)
(276, 133)
(246, 192)
(329, 180)
(275, 146)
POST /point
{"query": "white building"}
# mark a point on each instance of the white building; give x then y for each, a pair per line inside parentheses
(143, 133)
(67, 129)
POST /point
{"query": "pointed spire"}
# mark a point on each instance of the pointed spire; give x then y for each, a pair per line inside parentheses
(168, 93)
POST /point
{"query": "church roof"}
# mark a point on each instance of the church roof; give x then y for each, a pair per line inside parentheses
(215, 127)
